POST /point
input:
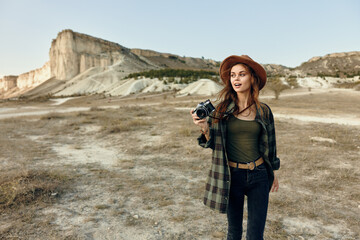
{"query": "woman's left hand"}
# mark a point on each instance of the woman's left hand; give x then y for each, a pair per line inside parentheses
(275, 186)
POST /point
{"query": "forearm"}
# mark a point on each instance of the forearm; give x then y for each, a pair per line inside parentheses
(205, 140)
(206, 132)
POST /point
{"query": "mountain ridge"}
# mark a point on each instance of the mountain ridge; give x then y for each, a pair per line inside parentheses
(77, 57)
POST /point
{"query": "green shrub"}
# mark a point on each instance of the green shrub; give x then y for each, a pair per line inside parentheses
(186, 76)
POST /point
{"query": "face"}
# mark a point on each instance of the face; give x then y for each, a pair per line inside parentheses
(240, 78)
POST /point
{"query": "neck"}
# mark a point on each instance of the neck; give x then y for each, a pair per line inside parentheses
(243, 99)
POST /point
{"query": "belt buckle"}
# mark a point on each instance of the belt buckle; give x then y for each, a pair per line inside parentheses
(251, 165)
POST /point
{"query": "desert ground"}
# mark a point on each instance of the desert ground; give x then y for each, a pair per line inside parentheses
(95, 167)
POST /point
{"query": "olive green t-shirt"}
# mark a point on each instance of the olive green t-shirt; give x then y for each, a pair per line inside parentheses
(242, 143)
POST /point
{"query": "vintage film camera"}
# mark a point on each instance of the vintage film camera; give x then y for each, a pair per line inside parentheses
(204, 109)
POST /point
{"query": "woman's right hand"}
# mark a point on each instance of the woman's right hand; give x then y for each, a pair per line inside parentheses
(202, 123)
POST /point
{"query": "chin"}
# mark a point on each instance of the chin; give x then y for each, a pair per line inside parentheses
(242, 91)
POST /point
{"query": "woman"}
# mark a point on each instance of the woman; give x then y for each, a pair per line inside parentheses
(242, 135)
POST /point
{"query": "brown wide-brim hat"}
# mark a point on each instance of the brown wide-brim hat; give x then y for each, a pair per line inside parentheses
(229, 62)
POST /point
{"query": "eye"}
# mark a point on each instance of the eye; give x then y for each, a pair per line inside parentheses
(232, 75)
(242, 74)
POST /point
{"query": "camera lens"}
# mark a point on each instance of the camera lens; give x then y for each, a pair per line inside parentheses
(201, 113)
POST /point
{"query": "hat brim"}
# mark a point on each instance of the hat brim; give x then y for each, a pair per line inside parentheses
(229, 62)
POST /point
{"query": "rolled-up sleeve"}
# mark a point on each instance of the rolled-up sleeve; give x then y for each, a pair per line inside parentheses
(202, 139)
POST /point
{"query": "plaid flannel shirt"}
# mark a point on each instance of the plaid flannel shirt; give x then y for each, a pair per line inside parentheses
(217, 187)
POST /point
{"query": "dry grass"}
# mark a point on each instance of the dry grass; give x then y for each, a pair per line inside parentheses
(25, 188)
(155, 184)
(52, 116)
(332, 102)
(30, 187)
(348, 85)
(125, 125)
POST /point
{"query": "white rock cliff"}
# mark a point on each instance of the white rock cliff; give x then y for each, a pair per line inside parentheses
(82, 64)
(72, 53)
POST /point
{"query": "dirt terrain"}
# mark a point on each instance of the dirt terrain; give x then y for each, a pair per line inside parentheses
(129, 168)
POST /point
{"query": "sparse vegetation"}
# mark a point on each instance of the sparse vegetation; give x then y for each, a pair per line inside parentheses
(176, 58)
(347, 84)
(43, 98)
(29, 187)
(186, 76)
(277, 86)
(149, 177)
(292, 81)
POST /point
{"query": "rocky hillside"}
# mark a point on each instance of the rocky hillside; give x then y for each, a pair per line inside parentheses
(75, 55)
(276, 70)
(341, 65)
(167, 60)
(82, 64)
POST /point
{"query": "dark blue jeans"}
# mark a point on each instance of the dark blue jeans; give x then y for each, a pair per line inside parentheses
(255, 185)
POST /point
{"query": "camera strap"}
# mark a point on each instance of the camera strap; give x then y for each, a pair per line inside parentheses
(231, 110)
(225, 113)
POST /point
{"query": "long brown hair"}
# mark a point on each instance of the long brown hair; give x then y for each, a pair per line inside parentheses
(228, 94)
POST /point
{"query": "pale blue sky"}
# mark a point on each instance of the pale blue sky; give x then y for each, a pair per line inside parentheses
(286, 32)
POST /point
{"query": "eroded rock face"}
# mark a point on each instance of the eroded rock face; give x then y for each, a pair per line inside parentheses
(34, 78)
(96, 65)
(8, 82)
(63, 58)
(72, 53)
(24, 81)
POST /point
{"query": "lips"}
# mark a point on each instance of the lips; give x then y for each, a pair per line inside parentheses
(237, 84)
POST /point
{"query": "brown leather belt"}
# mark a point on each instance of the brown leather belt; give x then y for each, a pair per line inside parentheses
(249, 165)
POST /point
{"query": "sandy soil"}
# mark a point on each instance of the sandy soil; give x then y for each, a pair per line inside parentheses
(139, 183)
(280, 113)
